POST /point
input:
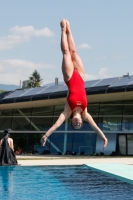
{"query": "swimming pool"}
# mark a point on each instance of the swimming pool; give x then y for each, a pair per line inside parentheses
(60, 183)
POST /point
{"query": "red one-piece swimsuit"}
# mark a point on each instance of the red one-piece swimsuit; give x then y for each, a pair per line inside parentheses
(77, 94)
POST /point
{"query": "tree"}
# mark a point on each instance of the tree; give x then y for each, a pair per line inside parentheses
(2, 91)
(35, 80)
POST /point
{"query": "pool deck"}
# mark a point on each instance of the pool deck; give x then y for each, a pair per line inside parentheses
(32, 160)
(120, 171)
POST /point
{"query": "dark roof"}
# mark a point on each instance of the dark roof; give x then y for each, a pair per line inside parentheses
(101, 86)
(3, 94)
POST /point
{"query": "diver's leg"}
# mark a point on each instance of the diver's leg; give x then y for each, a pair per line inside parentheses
(77, 62)
(67, 64)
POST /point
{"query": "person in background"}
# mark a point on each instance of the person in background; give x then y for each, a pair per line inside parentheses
(7, 156)
(73, 74)
(18, 151)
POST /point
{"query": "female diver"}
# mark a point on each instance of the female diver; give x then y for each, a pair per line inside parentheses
(73, 73)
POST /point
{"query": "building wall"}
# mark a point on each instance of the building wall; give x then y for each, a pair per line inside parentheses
(114, 118)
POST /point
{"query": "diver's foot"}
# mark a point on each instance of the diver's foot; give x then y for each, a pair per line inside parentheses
(67, 26)
(63, 24)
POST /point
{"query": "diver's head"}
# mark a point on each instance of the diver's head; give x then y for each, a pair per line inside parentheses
(76, 122)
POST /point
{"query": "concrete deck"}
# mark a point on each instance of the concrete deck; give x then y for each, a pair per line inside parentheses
(32, 160)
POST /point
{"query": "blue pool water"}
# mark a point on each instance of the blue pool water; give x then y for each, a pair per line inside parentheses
(60, 183)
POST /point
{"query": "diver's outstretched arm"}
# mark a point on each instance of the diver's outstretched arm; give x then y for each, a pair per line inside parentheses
(63, 116)
(94, 126)
(58, 123)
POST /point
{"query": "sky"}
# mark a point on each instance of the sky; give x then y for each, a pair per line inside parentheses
(30, 38)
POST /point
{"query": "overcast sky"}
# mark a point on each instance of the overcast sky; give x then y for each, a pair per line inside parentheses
(30, 38)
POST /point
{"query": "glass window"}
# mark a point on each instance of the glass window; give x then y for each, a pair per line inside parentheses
(128, 102)
(5, 123)
(2, 122)
(7, 113)
(128, 109)
(110, 123)
(130, 144)
(43, 111)
(21, 124)
(6, 119)
(84, 143)
(33, 140)
(112, 102)
(20, 140)
(62, 127)
(127, 124)
(45, 121)
(41, 123)
(93, 109)
(110, 110)
(86, 126)
(69, 145)
(22, 112)
(122, 144)
(58, 110)
(58, 140)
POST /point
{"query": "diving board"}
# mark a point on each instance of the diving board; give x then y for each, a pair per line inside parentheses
(122, 172)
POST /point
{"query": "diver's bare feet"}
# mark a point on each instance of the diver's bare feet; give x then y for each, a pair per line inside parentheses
(63, 24)
(67, 26)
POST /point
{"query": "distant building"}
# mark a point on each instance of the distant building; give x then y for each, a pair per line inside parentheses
(31, 112)
(25, 84)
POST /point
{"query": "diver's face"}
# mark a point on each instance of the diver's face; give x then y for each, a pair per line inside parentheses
(76, 123)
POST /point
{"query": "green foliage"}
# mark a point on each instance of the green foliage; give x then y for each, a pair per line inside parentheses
(35, 80)
(2, 91)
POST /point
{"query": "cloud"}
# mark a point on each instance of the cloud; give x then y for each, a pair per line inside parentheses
(29, 31)
(19, 35)
(14, 70)
(84, 46)
(103, 73)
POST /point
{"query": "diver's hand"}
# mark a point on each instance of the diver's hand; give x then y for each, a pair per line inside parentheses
(43, 140)
(105, 143)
